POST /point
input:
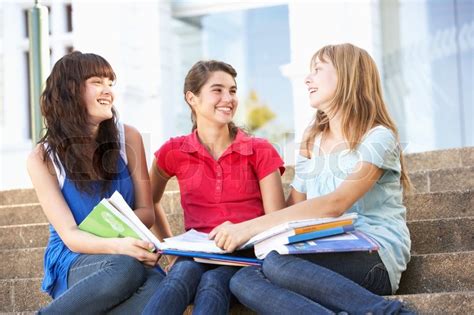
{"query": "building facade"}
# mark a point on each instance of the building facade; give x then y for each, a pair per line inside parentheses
(424, 50)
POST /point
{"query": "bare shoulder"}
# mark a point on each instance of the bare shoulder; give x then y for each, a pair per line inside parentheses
(36, 157)
(132, 135)
(37, 165)
(134, 146)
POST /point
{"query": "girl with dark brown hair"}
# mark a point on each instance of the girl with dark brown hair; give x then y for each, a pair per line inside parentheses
(85, 155)
(224, 175)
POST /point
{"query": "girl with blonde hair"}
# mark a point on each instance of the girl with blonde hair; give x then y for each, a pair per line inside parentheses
(350, 161)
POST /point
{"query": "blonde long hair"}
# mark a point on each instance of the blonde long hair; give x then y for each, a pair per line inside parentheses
(358, 99)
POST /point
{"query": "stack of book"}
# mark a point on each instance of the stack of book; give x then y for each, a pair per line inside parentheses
(312, 236)
(113, 217)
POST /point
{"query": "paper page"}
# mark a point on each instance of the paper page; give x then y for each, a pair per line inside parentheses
(295, 224)
(192, 240)
(118, 202)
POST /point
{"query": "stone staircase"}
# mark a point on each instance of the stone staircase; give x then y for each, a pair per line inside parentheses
(439, 278)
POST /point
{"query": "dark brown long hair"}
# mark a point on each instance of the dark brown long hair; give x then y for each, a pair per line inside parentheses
(69, 138)
(358, 98)
(198, 75)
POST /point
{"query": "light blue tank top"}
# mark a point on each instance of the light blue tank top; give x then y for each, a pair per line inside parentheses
(58, 258)
(381, 213)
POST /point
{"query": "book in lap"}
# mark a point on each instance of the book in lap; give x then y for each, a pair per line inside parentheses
(264, 247)
(347, 242)
(297, 227)
(198, 245)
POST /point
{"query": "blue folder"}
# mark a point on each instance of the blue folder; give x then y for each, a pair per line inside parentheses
(223, 257)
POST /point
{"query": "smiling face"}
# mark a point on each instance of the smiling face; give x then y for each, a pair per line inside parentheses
(217, 100)
(98, 97)
(322, 84)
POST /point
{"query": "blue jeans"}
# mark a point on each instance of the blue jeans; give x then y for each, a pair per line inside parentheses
(116, 284)
(305, 284)
(207, 285)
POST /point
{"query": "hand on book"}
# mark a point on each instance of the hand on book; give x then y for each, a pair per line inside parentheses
(138, 249)
(230, 236)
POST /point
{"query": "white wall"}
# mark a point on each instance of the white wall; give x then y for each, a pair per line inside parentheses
(14, 138)
(130, 38)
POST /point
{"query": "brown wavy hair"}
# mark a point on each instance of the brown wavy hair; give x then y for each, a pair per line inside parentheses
(86, 158)
(358, 98)
(198, 75)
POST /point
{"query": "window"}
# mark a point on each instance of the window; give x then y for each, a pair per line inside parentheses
(428, 73)
(68, 8)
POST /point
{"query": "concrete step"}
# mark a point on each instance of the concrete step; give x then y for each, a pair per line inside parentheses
(18, 196)
(24, 236)
(441, 180)
(442, 235)
(453, 303)
(21, 214)
(442, 272)
(22, 295)
(25, 296)
(439, 159)
(21, 263)
(428, 236)
(440, 205)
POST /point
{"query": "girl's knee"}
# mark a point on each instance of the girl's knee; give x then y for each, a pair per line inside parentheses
(128, 263)
(128, 269)
(272, 263)
(186, 267)
(185, 275)
(242, 279)
(216, 278)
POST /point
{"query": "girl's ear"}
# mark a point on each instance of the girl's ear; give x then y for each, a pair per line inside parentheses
(190, 98)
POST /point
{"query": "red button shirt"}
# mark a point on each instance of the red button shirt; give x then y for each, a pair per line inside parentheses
(214, 191)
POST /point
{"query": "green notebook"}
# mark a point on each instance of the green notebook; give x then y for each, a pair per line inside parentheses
(113, 217)
(106, 222)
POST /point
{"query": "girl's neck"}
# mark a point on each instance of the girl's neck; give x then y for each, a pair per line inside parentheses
(333, 139)
(335, 128)
(94, 129)
(215, 140)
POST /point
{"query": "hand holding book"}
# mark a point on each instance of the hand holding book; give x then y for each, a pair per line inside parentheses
(139, 249)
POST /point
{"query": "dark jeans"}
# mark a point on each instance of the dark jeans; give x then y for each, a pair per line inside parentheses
(207, 284)
(317, 284)
(116, 284)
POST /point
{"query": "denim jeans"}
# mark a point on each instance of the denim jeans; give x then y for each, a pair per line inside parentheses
(316, 284)
(207, 285)
(116, 284)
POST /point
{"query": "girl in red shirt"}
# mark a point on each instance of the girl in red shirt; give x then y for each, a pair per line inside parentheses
(223, 175)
